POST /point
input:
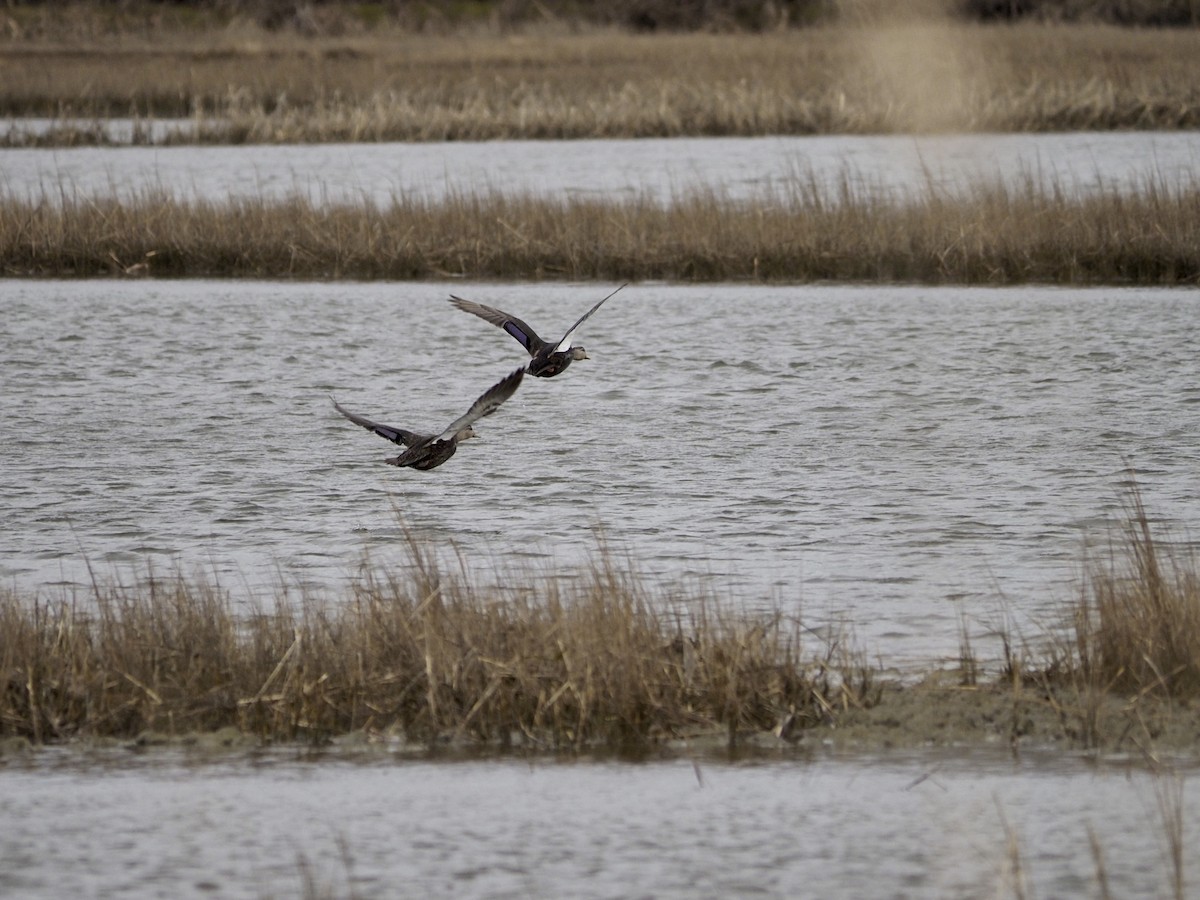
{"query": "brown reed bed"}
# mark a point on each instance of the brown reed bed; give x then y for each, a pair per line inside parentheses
(240, 83)
(419, 655)
(991, 235)
(1137, 627)
(1119, 674)
(1123, 670)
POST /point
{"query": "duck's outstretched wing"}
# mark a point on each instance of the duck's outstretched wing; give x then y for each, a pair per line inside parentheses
(565, 343)
(488, 402)
(514, 326)
(401, 436)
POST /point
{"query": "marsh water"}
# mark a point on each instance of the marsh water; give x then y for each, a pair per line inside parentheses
(178, 825)
(659, 169)
(888, 461)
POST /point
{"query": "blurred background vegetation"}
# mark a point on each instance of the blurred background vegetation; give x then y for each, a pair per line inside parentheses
(44, 18)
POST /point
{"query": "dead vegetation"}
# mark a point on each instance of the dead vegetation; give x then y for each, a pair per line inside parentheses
(1138, 628)
(418, 656)
(989, 235)
(237, 82)
(1122, 672)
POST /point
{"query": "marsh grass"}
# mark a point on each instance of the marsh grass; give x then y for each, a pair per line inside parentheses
(1125, 667)
(421, 657)
(802, 232)
(1013, 876)
(417, 654)
(1138, 625)
(237, 83)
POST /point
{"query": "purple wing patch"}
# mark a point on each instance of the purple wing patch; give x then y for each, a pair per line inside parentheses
(390, 434)
(515, 330)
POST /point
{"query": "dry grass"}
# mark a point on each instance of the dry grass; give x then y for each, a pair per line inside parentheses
(1138, 626)
(993, 235)
(591, 659)
(238, 83)
(417, 654)
(1125, 669)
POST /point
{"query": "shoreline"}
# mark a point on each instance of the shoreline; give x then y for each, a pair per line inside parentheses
(937, 715)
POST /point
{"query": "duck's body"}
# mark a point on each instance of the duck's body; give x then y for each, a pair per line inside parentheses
(428, 451)
(548, 359)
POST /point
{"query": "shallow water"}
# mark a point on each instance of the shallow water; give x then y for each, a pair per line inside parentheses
(928, 825)
(114, 131)
(660, 169)
(891, 459)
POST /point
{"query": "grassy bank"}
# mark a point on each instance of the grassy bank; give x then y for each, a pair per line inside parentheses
(241, 83)
(993, 235)
(597, 659)
(419, 655)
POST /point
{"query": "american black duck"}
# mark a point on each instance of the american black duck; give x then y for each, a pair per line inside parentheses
(428, 451)
(548, 359)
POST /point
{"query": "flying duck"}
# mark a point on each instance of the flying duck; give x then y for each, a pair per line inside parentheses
(548, 359)
(428, 451)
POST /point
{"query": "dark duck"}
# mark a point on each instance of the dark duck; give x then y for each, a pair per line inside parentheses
(428, 451)
(548, 359)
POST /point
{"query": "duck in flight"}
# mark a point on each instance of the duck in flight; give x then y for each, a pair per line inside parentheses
(428, 451)
(548, 359)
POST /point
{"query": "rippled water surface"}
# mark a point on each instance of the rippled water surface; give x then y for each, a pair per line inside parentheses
(897, 826)
(888, 458)
(738, 167)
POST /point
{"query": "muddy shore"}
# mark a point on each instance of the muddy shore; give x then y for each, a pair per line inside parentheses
(939, 713)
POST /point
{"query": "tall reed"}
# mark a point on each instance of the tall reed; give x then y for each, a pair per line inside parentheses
(1138, 624)
(1124, 668)
(416, 653)
(990, 235)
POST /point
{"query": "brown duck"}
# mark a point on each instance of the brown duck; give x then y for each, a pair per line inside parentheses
(548, 359)
(428, 451)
